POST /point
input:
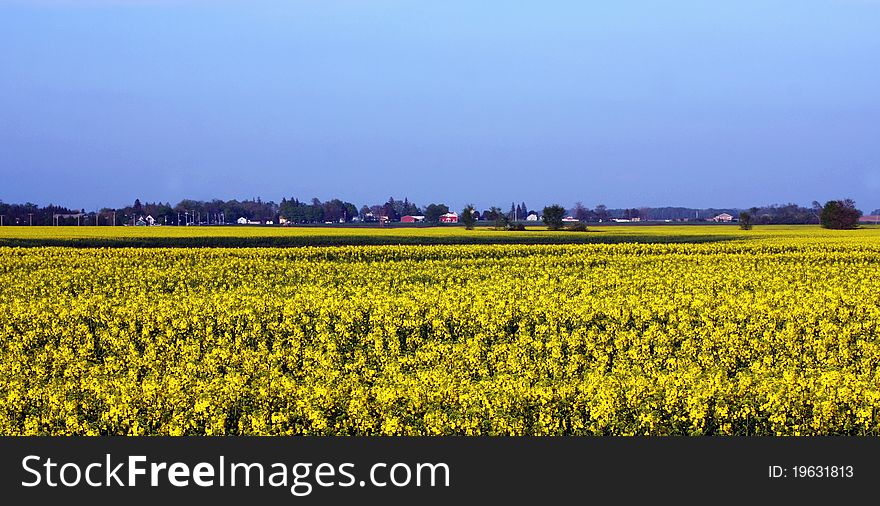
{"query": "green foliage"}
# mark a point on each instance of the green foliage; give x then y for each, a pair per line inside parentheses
(745, 221)
(467, 217)
(553, 216)
(577, 227)
(840, 215)
(433, 212)
(501, 220)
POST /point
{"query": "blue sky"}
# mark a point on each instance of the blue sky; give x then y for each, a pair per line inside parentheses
(629, 103)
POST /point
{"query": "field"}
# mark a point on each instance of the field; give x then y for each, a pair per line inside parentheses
(697, 330)
(255, 236)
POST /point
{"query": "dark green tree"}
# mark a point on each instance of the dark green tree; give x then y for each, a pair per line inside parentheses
(468, 218)
(433, 212)
(553, 216)
(501, 220)
(840, 215)
(745, 221)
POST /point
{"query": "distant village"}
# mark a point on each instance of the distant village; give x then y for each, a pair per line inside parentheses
(290, 212)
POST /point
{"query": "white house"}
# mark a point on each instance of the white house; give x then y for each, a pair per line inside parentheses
(242, 221)
(150, 220)
(723, 218)
(532, 217)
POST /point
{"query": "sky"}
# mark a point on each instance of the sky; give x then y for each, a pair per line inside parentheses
(626, 103)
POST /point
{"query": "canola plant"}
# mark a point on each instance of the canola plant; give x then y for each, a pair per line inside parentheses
(763, 337)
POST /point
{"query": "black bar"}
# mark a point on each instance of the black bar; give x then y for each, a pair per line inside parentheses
(489, 470)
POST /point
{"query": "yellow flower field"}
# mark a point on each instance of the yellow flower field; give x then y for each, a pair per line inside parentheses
(771, 332)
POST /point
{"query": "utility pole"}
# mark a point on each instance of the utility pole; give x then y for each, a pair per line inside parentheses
(114, 218)
(30, 219)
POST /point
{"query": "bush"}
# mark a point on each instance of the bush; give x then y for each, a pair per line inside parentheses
(577, 227)
(840, 215)
(516, 227)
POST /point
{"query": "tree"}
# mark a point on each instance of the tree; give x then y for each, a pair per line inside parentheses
(817, 209)
(601, 212)
(501, 220)
(745, 221)
(390, 210)
(468, 217)
(581, 213)
(553, 216)
(840, 215)
(433, 212)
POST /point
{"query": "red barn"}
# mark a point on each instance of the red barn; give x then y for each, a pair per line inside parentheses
(449, 218)
(412, 219)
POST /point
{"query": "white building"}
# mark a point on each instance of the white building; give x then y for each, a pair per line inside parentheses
(532, 217)
(723, 218)
(451, 217)
(242, 221)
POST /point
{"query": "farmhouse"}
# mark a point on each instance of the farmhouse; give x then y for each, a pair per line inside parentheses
(449, 218)
(412, 219)
(532, 217)
(242, 221)
(723, 218)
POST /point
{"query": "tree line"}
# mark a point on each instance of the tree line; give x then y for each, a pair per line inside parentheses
(216, 211)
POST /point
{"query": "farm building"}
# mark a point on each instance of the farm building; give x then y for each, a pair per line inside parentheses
(242, 221)
(723, 218)
(449, 218)
(870, 218)
(532, 217)
(412, 219)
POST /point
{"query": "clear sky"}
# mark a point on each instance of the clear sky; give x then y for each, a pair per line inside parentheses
(626, 103)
